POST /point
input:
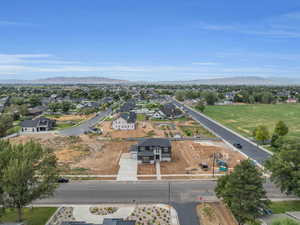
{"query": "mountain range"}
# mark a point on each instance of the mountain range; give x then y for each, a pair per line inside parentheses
(246, 80)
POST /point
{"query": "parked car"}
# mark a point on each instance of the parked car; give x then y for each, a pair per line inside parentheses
(238, 145)
(62, 180)
(204, 166)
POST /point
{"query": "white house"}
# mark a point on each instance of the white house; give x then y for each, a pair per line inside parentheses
(125, 121)
(158, 115)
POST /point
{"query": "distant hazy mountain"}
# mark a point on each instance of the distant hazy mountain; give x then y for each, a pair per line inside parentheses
(67, 80)
(247, 80)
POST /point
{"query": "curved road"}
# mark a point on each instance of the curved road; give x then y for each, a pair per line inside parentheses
(86, 125)
(250, 149)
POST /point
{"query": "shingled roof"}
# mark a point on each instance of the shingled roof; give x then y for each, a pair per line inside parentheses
(42, 121)
(157, 142)
(129, 117)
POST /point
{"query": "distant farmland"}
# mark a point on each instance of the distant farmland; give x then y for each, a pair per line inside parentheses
(244, 118)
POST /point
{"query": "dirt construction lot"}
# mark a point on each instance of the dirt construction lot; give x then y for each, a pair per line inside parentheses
(90, 154)
(187, 155)
(157, 129)
(84, 154)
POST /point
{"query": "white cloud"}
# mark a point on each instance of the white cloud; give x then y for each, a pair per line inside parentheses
(282, 26)
(32, 59)
(205, 63)
(5, 23)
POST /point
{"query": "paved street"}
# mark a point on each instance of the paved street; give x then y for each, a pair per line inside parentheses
(92, 192)
(251, 150)
(183, 196)
(85, 126)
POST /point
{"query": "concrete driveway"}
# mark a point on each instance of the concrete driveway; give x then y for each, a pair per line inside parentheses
(128, 168)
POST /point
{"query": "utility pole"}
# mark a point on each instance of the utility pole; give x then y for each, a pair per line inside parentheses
(169, 184)
(213, 167)
(169, 187)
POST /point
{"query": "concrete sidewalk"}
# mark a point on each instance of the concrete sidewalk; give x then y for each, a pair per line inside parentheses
(128, 168)
(82, 213)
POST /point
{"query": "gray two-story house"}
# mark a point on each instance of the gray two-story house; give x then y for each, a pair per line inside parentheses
(152, 149)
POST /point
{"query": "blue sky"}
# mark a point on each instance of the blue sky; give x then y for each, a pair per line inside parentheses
(149, 40)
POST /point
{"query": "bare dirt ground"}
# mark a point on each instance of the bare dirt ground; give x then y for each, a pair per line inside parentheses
(215, 213)
(143, 129)
(90, 154)
(73, 117)
(84, 154)
(187, 155)
(146, 169)
(151, 129)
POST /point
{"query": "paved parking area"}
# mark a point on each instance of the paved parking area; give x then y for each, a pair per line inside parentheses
(128, 168)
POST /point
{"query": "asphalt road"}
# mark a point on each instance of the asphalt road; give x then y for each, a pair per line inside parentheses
(251, 150)
(183, 196)
(85, 126)
(94, 192)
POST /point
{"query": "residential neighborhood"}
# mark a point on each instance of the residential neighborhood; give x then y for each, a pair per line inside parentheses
(127, 112)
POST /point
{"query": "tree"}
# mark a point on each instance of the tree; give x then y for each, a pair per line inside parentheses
(23, 110)
(6, 122)
(261, 133)
(200, 106)
(267, 98)
(281, 129)
(28, 172)
(65, 106)
(179, 95)
(34, 101)
(211, 98)
(54, 107)
(284, 167)
(243, 192)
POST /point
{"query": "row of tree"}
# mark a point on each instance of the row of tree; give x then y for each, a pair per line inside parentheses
(209, 97)
(261, 133)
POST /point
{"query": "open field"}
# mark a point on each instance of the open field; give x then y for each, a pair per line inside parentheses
(215, 213)
(84, 154)
(187, 128)
(35, 216)
(244, 118)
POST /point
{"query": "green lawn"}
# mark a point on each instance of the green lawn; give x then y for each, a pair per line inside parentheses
(37, 216)
(141, 117)
(285, 206)
(244, 118)
(196, 130)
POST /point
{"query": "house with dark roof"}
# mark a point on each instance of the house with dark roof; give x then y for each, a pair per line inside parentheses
(152, 149)
(106, 221)
(127, 106)
(171, 111)
(40, 124)
(125, 121)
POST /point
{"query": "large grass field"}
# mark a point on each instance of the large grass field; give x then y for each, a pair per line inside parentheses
(35, 216)
(244, 118)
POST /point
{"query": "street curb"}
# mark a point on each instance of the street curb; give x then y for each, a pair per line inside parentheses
(229, 144)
